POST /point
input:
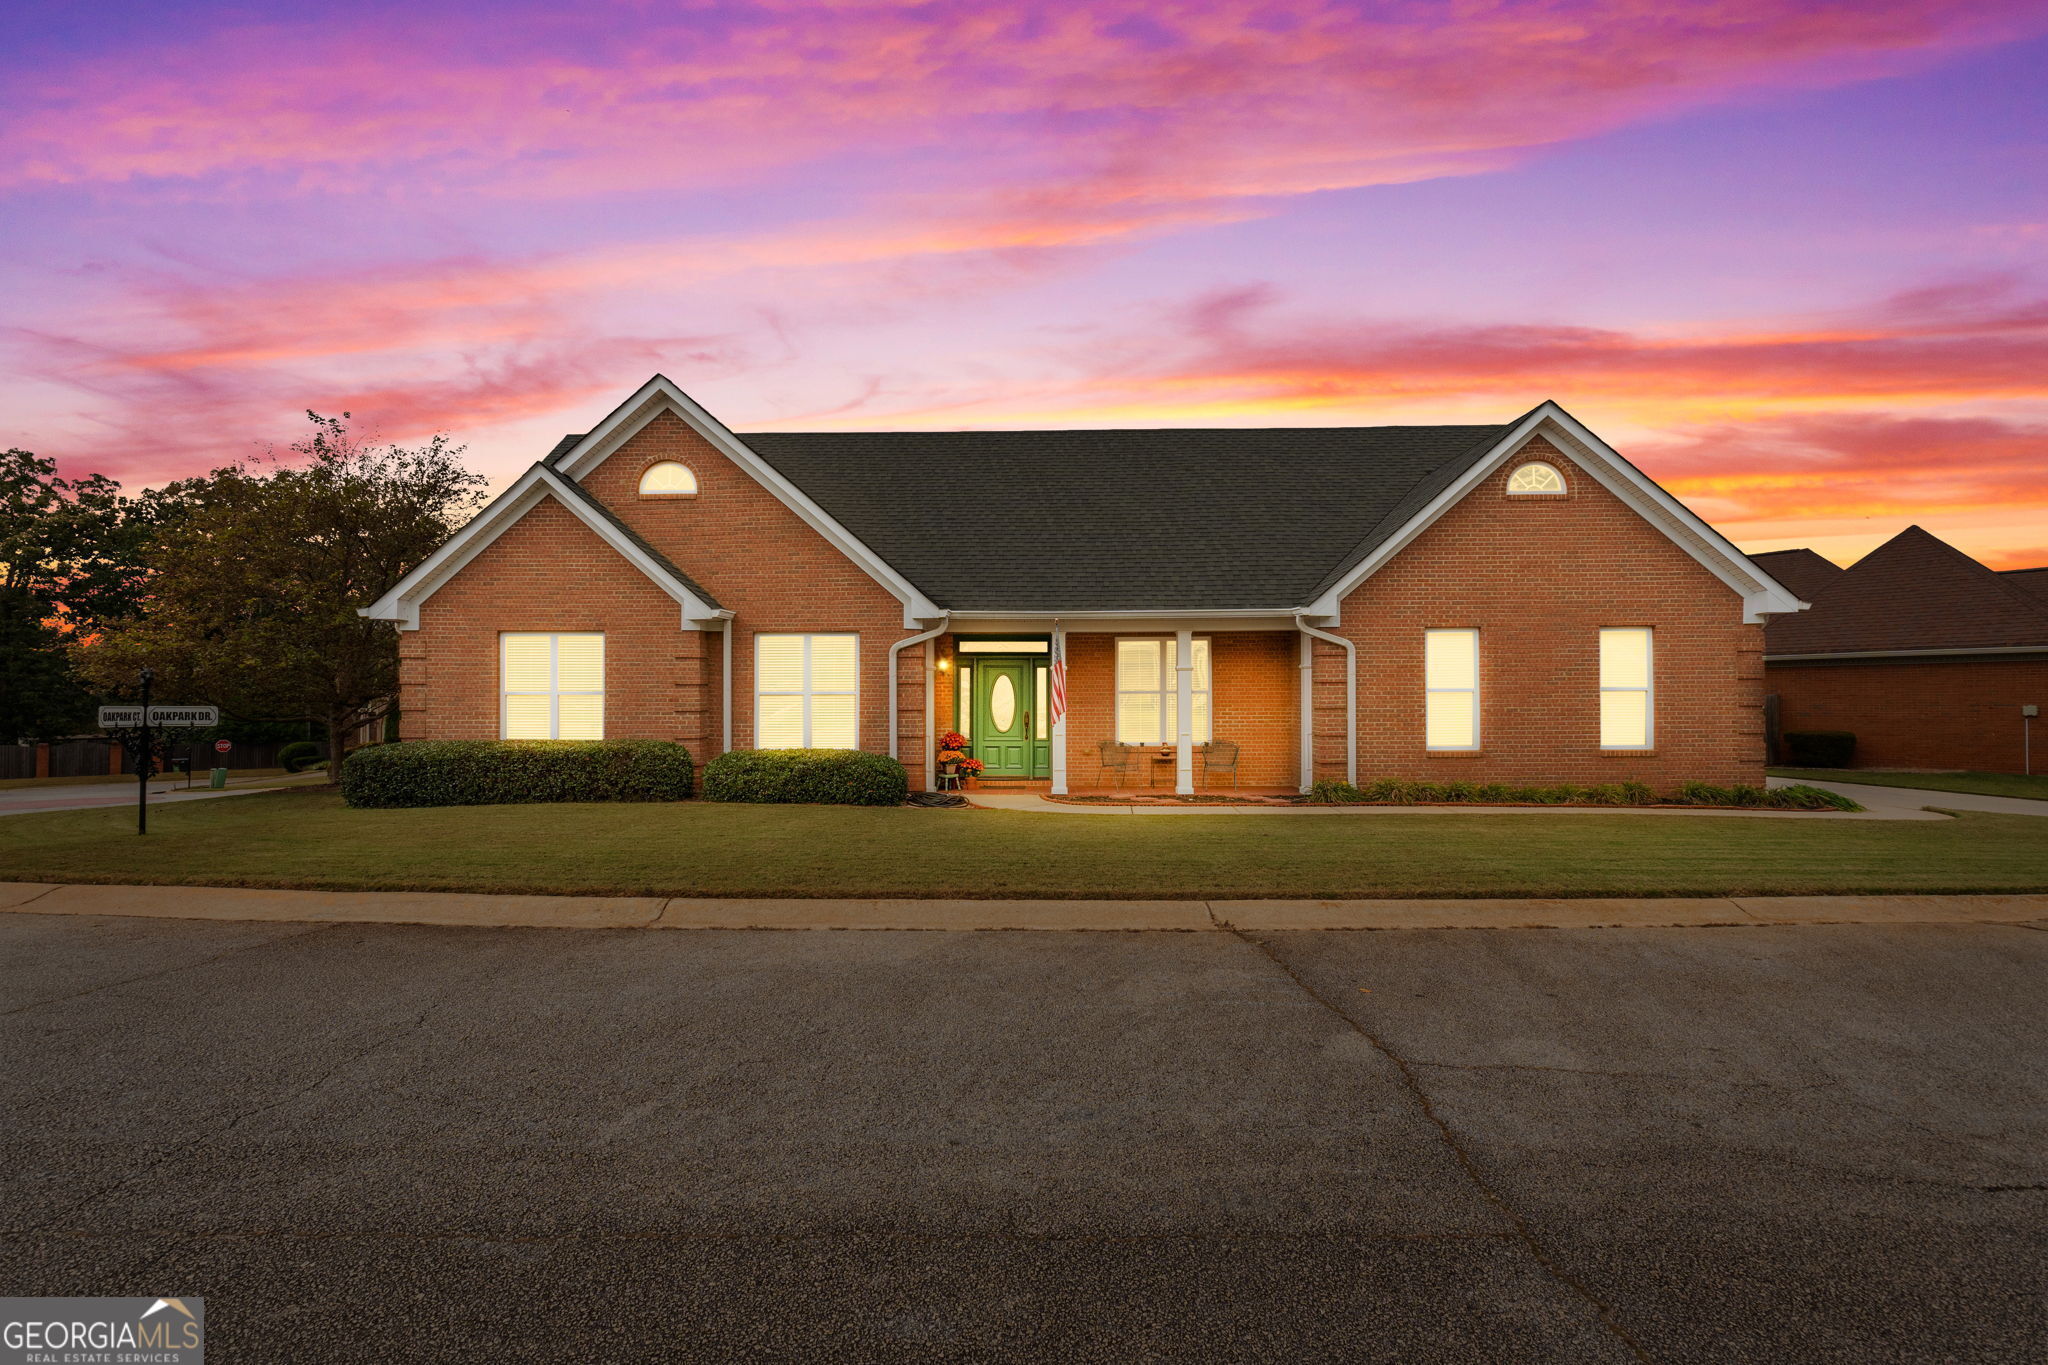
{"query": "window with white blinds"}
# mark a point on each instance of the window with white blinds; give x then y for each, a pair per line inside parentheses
(552, 686)
(806, 692)
(1626, 690)
(1148, 691)
(1450, 665)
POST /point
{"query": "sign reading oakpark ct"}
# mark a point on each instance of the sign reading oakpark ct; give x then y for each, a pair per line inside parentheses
(129, 717)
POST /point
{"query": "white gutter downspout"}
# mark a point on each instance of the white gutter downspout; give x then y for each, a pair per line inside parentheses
(1307, 751)
(895, 724)
(1350, 693)
(725, 682)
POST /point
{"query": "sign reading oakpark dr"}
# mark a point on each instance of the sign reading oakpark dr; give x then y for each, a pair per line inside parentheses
(128, 717)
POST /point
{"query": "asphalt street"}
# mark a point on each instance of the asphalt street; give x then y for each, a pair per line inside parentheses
(384, 1143)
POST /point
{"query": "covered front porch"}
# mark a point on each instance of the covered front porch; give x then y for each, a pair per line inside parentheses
(1148, 708)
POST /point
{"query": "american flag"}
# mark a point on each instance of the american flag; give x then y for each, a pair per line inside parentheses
(1059, 676)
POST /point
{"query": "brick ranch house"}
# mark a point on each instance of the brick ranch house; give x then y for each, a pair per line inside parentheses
(1487, 603)
(1928, 657)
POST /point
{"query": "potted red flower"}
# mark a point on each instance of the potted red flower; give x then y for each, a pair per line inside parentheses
(952, 756)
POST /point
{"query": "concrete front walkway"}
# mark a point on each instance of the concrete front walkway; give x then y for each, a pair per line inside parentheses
(655, 912)
(1036, 804)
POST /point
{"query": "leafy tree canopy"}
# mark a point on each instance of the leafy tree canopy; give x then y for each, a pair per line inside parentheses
(251, 603)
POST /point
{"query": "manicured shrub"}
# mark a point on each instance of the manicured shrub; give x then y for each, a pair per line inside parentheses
(1803, 797)
(1819, 748)
(298, 755)
(491, 772)
(835, 777)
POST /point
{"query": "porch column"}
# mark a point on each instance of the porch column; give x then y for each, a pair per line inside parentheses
(1184, 740)
(1059, 716)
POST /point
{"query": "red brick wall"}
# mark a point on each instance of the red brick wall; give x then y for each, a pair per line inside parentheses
(1927, 713)
(1538, 577)
(734, 537)
(1255, 694)
(551, 573)
(763, 562)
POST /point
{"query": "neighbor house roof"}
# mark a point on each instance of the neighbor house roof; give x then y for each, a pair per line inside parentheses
(1803, 571)
(1211, 519)
(1912, 593)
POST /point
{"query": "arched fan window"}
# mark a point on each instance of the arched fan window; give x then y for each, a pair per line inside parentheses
(667, 480)
(1536, 477)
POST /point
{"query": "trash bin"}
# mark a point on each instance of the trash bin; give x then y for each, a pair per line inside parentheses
(219, 779)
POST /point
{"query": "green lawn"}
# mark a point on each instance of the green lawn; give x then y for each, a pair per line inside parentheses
(1978, 784)
(309, 839)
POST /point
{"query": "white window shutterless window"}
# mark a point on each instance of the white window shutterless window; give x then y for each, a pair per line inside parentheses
(551, 686)
(1148, 691)
(1626, 707)
(1450, 667)
(806, 692)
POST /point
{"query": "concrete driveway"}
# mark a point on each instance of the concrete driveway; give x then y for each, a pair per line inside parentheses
(365, 1142)
(1894, 801)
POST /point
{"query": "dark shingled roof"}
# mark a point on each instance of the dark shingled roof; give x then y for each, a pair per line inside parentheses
(1912, 592)
(1803, 571)
(590, 500)
(2033, 582)
(1183, 519)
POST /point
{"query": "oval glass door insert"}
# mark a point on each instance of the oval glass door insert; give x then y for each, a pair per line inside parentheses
(1002, 703)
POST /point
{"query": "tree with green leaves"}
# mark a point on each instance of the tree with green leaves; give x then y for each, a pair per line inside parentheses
(251, 603)
(71, 561)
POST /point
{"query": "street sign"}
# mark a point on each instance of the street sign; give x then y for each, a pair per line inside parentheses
(184, 716)
(120, 717)
(221, 746)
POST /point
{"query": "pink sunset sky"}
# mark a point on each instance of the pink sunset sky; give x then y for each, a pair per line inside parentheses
(1788, 258)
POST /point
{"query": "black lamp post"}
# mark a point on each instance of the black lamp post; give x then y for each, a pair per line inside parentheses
(144, 760)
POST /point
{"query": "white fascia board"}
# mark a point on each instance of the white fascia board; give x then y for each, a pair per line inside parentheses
(659, 395)
(1762, 595)
(402, 603)
(1130, 622)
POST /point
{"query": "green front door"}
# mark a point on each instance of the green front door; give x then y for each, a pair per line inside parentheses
(1005, 720)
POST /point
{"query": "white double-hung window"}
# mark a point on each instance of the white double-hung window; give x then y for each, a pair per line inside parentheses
(1627, 710)
(806, 691)
(1450, 666)
(1148, 691)
(551, 686)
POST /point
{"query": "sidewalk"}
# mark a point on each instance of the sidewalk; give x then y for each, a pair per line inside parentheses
(655, 912)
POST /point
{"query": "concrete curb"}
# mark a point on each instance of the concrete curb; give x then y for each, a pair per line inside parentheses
(654, 912)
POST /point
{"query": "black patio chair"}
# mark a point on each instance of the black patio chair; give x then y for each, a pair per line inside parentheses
(1116, 761)
(1219, 756)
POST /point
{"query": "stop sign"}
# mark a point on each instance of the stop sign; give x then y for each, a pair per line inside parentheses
(221, 746)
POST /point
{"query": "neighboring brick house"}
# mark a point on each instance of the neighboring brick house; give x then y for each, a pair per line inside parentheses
(1928, 657)
(1512, 603)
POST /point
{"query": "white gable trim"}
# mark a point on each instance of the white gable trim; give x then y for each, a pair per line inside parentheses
(659, 395)
(1762, 596)
(402, 603)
